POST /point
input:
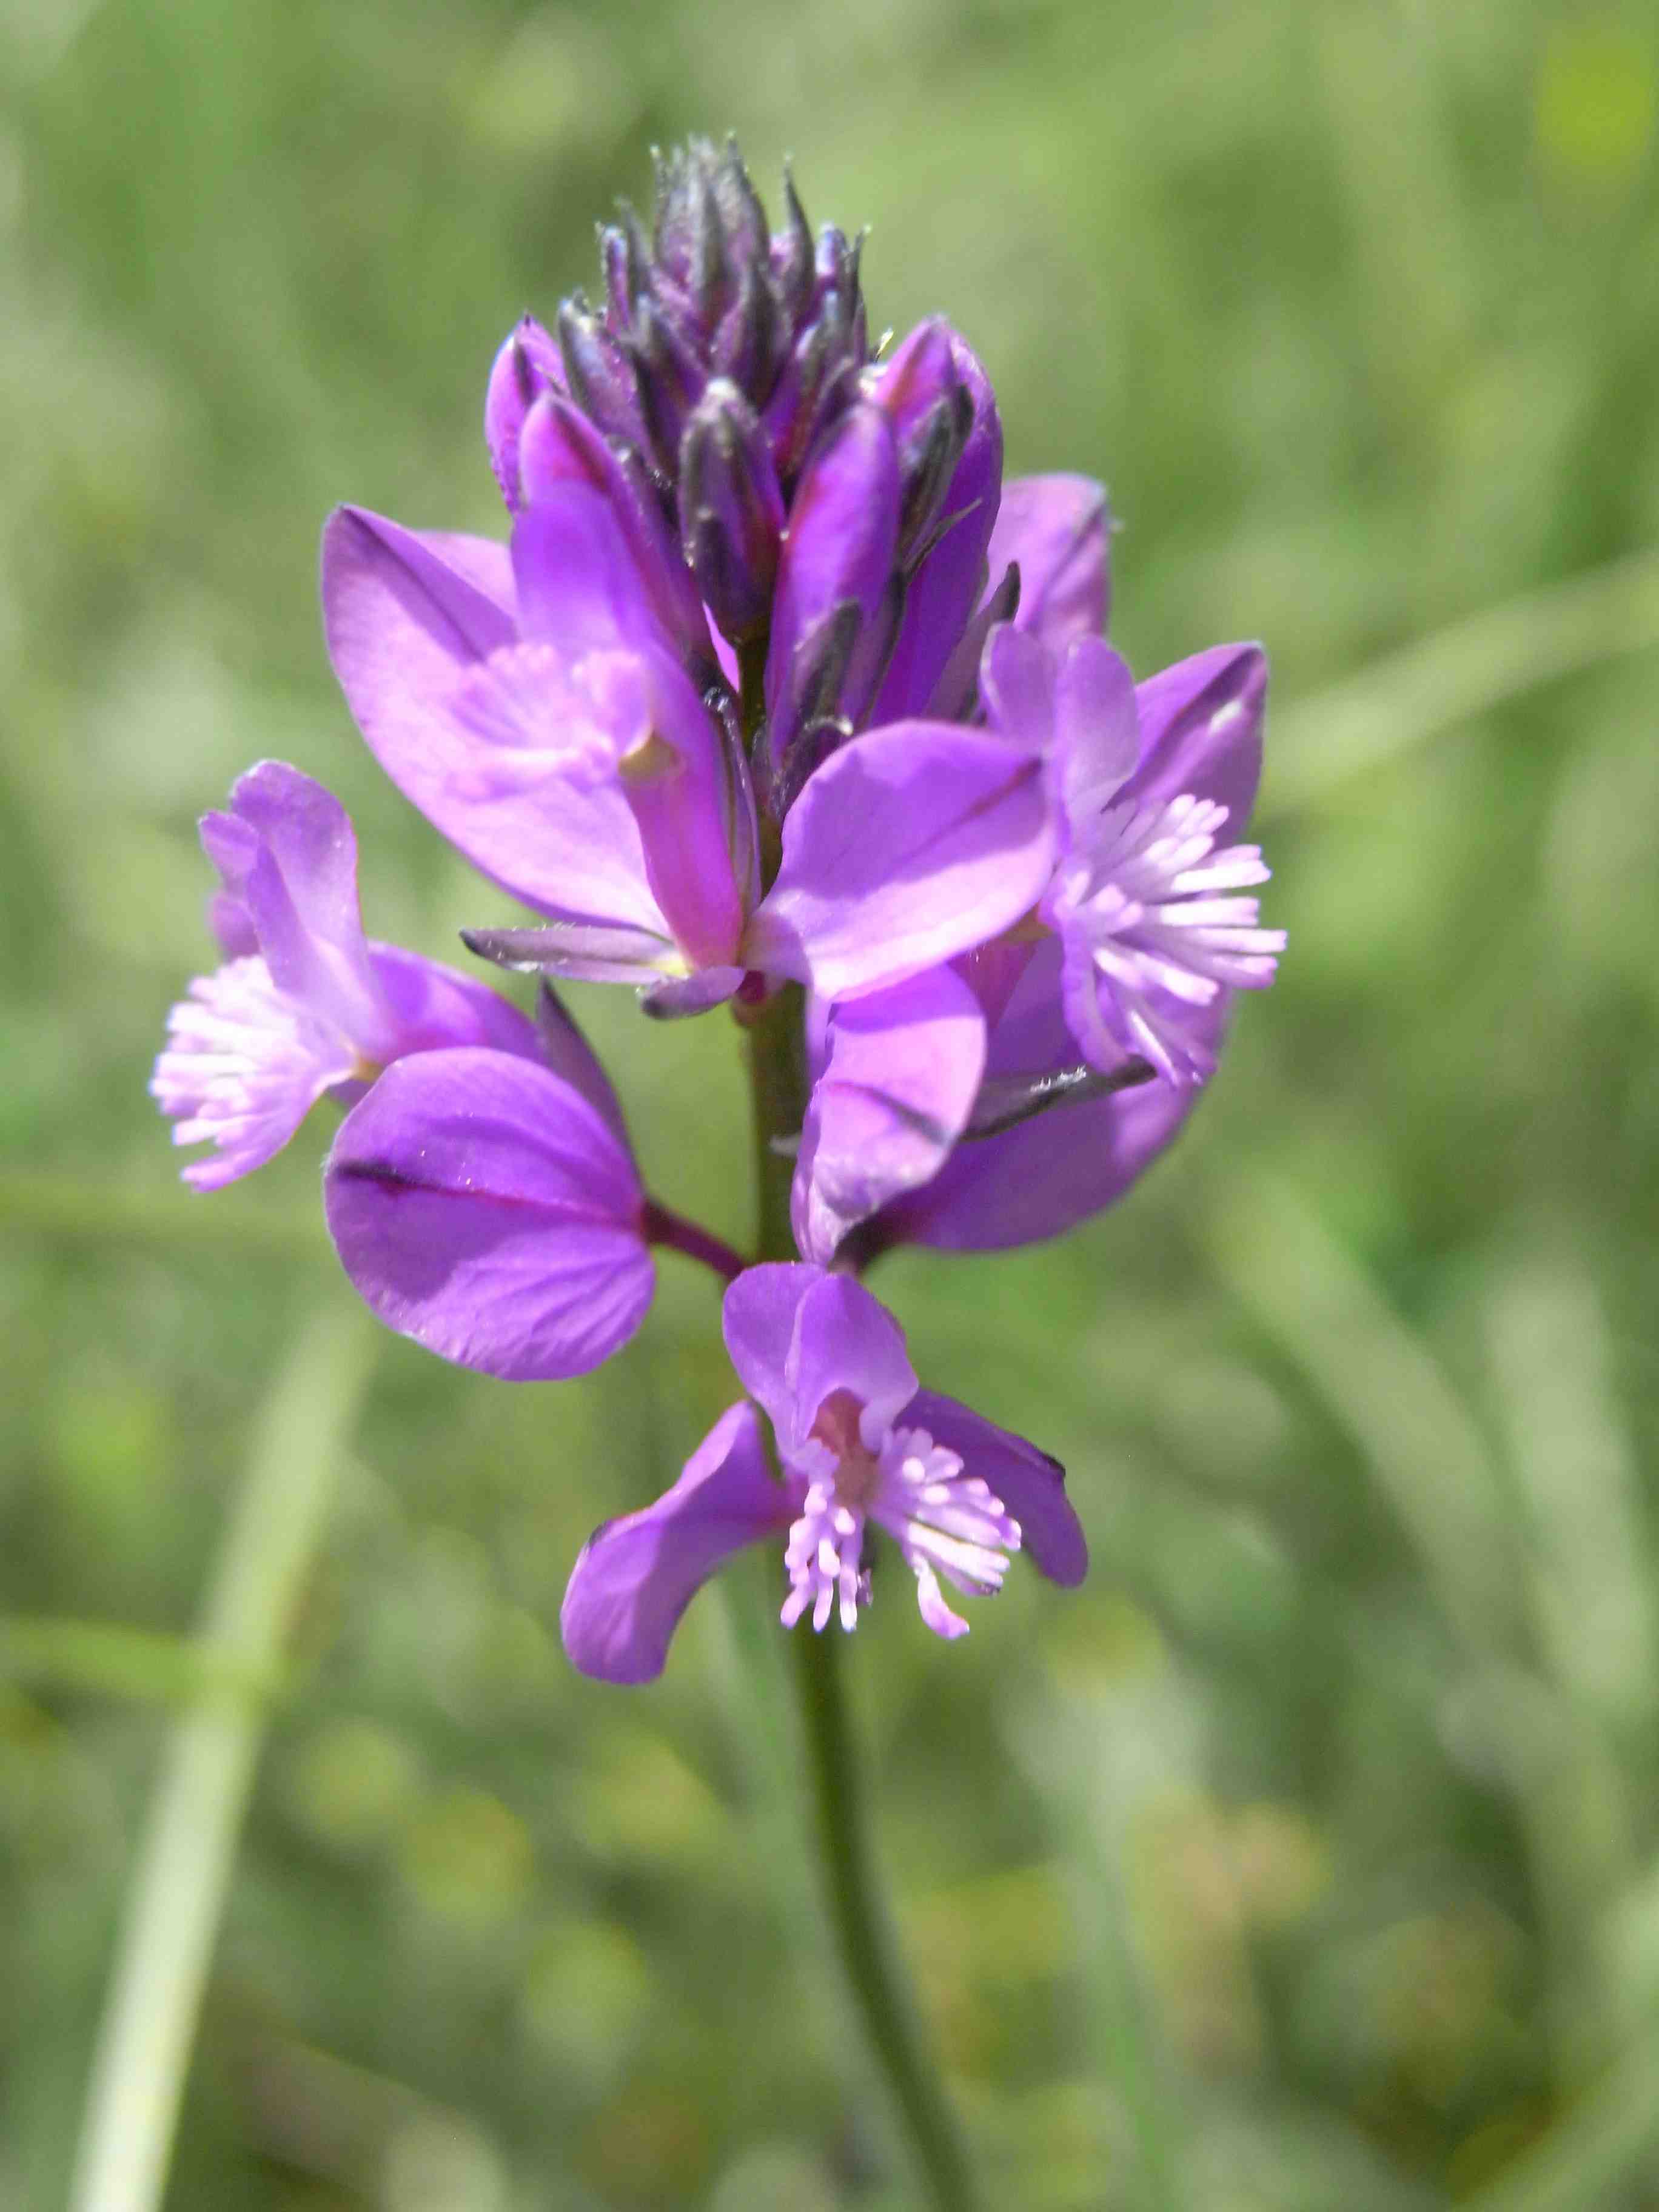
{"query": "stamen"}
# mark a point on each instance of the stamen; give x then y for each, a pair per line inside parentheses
(243, 1065)
(1140, 898)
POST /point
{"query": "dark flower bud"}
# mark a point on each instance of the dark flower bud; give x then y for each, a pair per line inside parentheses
(815, 388)
(598, 373)
(731, 511)
(668, 379)
(625, 257)
(793, 260)
(752, 342)
(822, 661)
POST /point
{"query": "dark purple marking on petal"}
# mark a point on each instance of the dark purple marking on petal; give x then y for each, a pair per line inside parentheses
(482, 1205)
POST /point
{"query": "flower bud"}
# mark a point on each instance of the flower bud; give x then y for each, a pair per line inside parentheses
(840, 552)
(931, 411)
(730, 510)
(669, 378)
(710, 224)
(599, 373)
(558, 445)
(527, 365)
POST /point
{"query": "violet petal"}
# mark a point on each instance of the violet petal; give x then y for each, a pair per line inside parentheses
(410, 634)
(635, 1576)
(579, 586)
(482, 1207)
(570, 1056)
(680, 996)
(561, 445)
(527, 365)
(1200, 730)
(287, 851)
(1016, 686)
(946, 585)
(845, 1339)
(1096, 727)
(904, 1068)
(1030, 1483)
(913, 843)
(758, 1318)
(1041, 1178)
(1056, 530)
(435, 1007)
(840, 547)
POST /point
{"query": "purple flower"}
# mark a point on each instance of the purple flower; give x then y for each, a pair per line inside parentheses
(306, 1005)
(489, 1208)
(534, 707)
(1127, 959)
(1152, 908)
(859, 1446)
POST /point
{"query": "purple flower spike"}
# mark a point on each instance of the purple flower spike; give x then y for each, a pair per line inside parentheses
(306, 1005)
(482, 1206)
(708, 294)
(858, 1445)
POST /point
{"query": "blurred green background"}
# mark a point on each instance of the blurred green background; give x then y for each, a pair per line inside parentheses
(1309, 1857)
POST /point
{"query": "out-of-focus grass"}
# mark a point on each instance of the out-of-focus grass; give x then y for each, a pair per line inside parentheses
(1308, 1857)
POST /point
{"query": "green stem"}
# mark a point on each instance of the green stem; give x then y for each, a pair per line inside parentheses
(863, 1935)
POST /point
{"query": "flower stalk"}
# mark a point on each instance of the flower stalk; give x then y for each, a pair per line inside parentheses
(840, 1819)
